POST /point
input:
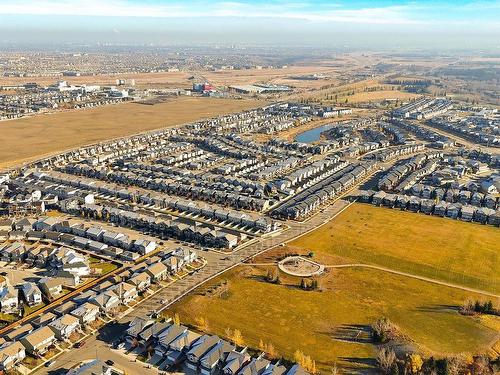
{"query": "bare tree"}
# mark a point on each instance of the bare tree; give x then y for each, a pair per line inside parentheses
(385, 359)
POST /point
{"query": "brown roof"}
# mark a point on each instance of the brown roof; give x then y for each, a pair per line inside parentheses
(41, 334)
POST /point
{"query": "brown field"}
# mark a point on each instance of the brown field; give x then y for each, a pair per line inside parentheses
(29, 138)
(374, 96)
(181, 79)
(331, 325)
(166, 79)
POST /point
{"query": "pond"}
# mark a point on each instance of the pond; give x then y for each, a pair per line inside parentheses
(312, 135)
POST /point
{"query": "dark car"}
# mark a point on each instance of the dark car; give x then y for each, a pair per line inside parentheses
(110, 362)
(79, 344)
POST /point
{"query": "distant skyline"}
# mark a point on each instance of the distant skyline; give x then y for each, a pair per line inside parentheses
(441, 24)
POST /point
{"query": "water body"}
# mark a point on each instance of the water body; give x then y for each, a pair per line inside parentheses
(312, 135)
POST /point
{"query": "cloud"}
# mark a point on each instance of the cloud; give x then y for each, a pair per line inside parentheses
(308, 11)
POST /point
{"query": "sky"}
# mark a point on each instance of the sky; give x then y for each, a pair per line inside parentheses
(436, 24)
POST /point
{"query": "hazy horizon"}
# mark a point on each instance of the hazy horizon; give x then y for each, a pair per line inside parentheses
(400, 24)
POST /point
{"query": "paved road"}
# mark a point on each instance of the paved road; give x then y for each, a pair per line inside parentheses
(98, 346)
(457, 138)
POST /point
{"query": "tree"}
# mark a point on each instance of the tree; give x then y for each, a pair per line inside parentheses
(415, 363)
(385, 359)
(201, 324)
(237, 338)
(481, 366)
(177, 319)
(271, 351)
(383, 330)
(262, 346)
(488, 307)
(298, 357)
(394, 369)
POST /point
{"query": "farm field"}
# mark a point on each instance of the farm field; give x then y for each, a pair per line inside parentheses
(444, 249)
(331, 325)
(37, 136)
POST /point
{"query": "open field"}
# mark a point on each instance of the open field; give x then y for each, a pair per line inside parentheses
(332, 324)
(164, 79)
(181, 78)
(28, 138)
(375, 96)
(443, 249)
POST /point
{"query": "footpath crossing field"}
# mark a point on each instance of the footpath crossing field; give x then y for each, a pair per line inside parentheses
(444, 249)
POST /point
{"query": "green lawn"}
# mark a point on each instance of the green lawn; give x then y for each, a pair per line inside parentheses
(325, 324)
(8, 318)
(30, 309)
(106, 267)
(445, 249)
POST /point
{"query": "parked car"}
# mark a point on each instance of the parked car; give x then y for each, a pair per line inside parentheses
(50, 363)
(110, 362)
(79, 344)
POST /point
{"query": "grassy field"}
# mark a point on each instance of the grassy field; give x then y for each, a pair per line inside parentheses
(28, 138)
(331, 324)
(444, 249)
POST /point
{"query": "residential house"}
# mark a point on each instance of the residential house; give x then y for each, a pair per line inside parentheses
(93, 367)
(274, 369)
(86, 313)
(113, 238)
(65, 308)
(65, 326)
(126, 292)
(149, 335)
(171, 343)
(212, 361)
(467, 212)
(157, 271)
(197, 350)
(106, 301)
(136, 326)
(52, 287)
(25, 224)
(32, 294)
(95, 233)
(68, 278)
(45, 223)
(173, 264)
(43, 319)
(235, 361)
(9, 301)
(39, 341)
(185, 255)
(19, 332)
(141, 281)
(255, 366)
(297, 370)
(11, 353)
(144, 246)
